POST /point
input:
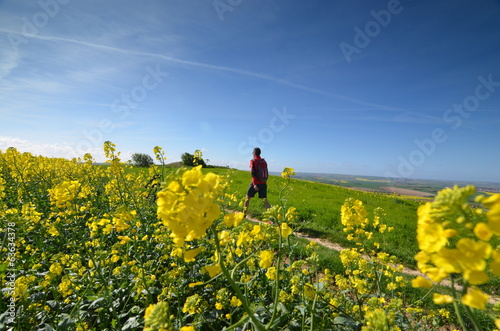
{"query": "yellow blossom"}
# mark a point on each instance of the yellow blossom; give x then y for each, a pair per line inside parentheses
(213, 270)
(55, 268)
(235, 302)
(440, 299)
(431, 237)
(495, 264)
(266, 259)
(157, 316)
(420, 281)
(483, 231)
(53, 231)
(473, 253)
(476, 277)
(271, 273)
(475, 298)
(285, 230)
(233, 219)
(191, 305)
(188, 206)
(189, 256)
(288, 172)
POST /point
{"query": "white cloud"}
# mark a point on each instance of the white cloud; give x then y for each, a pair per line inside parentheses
(50, 150)
(66, 150)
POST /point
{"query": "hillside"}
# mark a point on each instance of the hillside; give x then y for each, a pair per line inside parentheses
(318, 205)
(402, 186)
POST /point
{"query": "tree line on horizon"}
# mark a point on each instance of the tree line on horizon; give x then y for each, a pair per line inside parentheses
(189, 160)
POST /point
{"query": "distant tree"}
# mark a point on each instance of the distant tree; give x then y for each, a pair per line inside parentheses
(142, 160)
(187, 159)
(198, 158)
(190, 160)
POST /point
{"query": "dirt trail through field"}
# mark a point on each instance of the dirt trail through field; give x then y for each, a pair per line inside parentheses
(337, 247)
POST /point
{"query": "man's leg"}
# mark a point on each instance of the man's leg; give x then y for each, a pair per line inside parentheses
(247, 203)
(266, 203)
(263, 195)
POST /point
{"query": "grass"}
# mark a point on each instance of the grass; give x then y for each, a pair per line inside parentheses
(319, 204)
(319, 208)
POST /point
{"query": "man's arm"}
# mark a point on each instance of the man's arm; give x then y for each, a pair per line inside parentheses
(253, 171)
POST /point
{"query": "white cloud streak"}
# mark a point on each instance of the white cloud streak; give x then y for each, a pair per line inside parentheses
(190, 63)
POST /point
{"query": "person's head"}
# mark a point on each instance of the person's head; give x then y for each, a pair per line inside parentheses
(256, 151)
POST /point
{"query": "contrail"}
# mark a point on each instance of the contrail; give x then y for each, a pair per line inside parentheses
(206, 66)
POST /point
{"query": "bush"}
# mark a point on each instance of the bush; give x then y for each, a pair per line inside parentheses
(142, 160)
(190, 160)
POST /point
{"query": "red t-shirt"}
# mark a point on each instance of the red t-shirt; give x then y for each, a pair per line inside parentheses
(253, 170)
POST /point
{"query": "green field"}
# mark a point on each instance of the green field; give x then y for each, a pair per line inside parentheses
(118, 247)
(318, 205)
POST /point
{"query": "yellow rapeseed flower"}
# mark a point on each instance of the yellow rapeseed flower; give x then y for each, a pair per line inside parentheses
(431, 237)
(271, 273)
(440, 299)
(192, 304)
(233, 219)
(285, 230)
(55, 268)
(483, 231)
(266, 259)
(476, 277)
(213, 270)
(475, 298)
(188, 206)
(235, 302)
(420, 281)
(288, 172)
(158, 317)
(495, 264)
(189, 256)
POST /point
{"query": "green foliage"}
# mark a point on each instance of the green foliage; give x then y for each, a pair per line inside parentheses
(142, 160)
(192, 160)
(97, 248)
(319, 206)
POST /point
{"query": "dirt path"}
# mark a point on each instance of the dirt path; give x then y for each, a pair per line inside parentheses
(338, 248)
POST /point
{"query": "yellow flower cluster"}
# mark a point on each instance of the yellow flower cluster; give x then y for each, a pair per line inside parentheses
(359, 228)
(187, 205)
(453, 238)
(158, 317)
(287, 173)
(64, 194)
(110, 257)
(368, 272)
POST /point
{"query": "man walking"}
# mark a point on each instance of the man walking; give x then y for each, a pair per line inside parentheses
(258, 169)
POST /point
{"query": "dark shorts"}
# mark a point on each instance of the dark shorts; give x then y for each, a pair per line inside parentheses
(262, 191)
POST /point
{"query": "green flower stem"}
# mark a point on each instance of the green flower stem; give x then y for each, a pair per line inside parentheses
(242, 321)
(455, 305)
(277, 280)
(235, 287)
(473, 318)
(313, 310)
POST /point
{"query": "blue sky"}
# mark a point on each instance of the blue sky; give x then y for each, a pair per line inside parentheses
(406, 89)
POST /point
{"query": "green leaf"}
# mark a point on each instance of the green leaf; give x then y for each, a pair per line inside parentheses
(131, 324)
